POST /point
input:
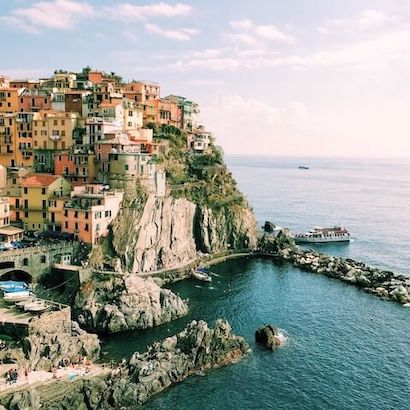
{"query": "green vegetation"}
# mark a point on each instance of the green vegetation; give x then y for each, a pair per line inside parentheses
(201, 178)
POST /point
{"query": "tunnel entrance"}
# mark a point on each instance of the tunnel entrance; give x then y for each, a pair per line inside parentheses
(15, 274)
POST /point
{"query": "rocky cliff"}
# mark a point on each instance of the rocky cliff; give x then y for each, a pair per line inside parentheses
(196, 349)
(125, 303)
(161, 236)
(204, 211)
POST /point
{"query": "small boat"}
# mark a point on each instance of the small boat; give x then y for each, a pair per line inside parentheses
(10, 284)
(23, 303)
(36, 306)
(303, 166)
(13, 297)
(324, 235)
(201, 274)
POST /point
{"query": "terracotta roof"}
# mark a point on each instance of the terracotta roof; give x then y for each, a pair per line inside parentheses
(39, 180)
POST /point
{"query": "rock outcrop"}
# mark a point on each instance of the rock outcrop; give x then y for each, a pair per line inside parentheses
(125, 303)
(269, 336)
(197, 348)
(222, 229)
(43, 350)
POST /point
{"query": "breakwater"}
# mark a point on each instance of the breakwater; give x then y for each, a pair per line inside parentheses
(383, 283)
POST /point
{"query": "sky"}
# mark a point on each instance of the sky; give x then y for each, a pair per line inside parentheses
(327, 78)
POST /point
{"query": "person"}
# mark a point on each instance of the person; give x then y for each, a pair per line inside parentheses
(26, 374)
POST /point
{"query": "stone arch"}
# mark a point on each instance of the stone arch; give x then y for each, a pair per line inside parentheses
(15, 274)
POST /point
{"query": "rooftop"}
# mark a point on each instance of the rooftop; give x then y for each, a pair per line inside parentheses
(39, 180)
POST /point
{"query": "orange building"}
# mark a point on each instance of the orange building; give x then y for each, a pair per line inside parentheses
(75, 167)
(8, 137)
(53, 130)
(9, 99)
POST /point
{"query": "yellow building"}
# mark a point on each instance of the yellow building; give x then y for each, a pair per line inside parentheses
(36, 193)
(53, 129)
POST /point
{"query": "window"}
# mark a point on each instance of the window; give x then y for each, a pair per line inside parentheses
(126, 167)
(43, 191)
(44, 215)
(25, 190)
(44, 203)
(43, 259)
(25, 261)
(86, 228)
(62, 122)
(26, 214)
(14, 181)
(65, 212)
(76, 214)
(26, 203)
(66, 224)
(55, 122)
(86, 215)
(76, 226)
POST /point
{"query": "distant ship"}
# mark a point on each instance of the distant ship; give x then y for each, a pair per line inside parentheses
(324, 235)
(303, 166)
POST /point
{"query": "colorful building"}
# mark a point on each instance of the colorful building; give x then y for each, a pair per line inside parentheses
(9, 99)
(8, 139)
(36, 192)
(90, 211)
(76, 166)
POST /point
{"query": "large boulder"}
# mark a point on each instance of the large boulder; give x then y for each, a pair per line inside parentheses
(126, 303)
(269, 336)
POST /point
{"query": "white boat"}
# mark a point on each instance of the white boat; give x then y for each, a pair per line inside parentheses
(16, 296)
(303, 166)
(324, 235)
(23, 303)
(36, 306)
(201, 274)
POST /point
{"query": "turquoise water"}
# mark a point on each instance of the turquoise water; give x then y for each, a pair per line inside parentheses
(346, 349)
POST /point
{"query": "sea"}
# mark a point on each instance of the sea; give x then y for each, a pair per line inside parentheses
(344, 349)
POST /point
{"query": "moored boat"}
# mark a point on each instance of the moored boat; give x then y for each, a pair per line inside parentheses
(202, 274)
(303, 166)
(12, 297)
(36, 306)
(324, 235)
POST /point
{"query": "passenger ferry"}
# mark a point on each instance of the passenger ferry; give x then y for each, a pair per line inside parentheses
(324, 235)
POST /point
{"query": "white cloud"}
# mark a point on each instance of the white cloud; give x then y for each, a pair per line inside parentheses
(245, 32)
(182, 34)
(241, 24)
(273, 34)
(128, 11)
(366, 20)
(57, 14)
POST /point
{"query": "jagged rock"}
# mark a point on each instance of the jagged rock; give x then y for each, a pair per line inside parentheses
(400, 294)
(45, 350)
(268, 227)
(25, 400)
(268, 336)
(196, 348)
(125, 303)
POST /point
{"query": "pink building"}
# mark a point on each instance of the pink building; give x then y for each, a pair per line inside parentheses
(90, 211)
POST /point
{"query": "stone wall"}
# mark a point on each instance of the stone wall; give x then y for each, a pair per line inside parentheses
(36, 260)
